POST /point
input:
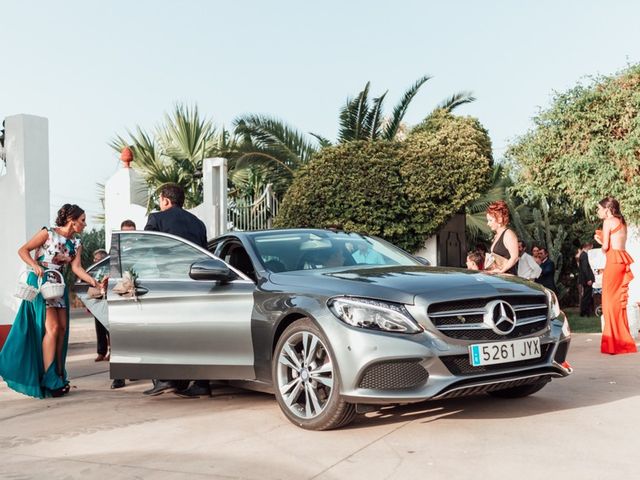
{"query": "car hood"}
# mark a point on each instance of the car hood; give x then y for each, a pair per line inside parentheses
(403, 283)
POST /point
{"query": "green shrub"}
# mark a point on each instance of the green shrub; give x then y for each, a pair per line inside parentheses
(401, 191)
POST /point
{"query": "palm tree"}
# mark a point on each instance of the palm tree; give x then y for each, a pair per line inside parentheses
(273, 146)
(361, 119)
(175, 152)
(271, 143)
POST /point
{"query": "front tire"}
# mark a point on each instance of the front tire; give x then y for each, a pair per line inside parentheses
(306, 379)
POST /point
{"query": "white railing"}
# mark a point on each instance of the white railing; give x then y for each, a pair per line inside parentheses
(248, 213)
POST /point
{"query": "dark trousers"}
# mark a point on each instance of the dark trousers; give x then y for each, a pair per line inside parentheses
(102, 337)
(586, 302)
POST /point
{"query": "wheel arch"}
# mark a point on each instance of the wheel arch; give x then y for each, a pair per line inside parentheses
(287, 320)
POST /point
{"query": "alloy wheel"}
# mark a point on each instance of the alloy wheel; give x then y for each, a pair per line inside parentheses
(305, 374)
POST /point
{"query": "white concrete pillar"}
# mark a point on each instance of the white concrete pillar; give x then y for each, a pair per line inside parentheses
(25, 194)
(429, 250)
(213, 209)
(125, 198)
(633, 247)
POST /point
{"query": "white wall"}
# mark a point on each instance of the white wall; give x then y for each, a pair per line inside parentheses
(25, 195)
(633, 247)
(125, 198)
(430, 250)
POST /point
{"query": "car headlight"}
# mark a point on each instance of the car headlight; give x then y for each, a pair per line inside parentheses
(554, 305)
(373, 314)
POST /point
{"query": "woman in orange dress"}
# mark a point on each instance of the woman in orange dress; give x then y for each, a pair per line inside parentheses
(615, 282)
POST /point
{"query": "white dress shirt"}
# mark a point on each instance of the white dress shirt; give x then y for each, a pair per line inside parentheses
(528, 268)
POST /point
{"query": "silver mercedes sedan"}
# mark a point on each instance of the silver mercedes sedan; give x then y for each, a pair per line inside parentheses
(332, 323)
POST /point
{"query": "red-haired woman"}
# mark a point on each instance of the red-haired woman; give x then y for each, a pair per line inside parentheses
(615, 281)
(505, 241)
(32, 360)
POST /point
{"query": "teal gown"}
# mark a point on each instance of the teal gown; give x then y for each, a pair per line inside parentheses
(21, 364)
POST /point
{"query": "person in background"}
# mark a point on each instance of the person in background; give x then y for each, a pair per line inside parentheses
(528, 268)
(365, 255)
(547, 277)
(172, 218)
(586, 279)
(474, 260)
(481, 248)
(616, 337)
(102, 334)
(535, 253)
(505, 240)
(125, 225)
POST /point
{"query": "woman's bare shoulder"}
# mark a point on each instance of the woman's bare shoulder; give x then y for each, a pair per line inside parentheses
(510, 233)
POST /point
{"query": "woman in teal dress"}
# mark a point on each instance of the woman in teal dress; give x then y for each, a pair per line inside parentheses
(33, 358)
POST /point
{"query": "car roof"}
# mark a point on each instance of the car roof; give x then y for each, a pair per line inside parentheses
(254, 233)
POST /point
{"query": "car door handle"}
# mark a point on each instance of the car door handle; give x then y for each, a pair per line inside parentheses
(139, 292)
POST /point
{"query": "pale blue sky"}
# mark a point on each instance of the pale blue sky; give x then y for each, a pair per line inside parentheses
(96, 68)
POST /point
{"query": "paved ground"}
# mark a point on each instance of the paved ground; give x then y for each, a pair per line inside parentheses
(583, 427)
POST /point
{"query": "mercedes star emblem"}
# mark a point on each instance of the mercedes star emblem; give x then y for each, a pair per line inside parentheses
(500, 317)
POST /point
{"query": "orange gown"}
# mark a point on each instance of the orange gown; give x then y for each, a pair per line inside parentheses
(615, 293)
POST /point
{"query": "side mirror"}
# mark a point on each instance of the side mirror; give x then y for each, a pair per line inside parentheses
(422, 260)
(212, 269)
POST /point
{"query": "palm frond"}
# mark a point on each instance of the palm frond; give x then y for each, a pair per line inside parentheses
(399, 111)
(455, 100)
(266, 133)
(353, 116)
(373, 121)
(322, 141)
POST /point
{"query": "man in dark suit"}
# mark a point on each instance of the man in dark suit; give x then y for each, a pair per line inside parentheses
(586, 279)
(547, 277)
(173, 219)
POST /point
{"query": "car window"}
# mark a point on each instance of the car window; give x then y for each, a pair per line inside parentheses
(290, 251)
(157, 257)
(100, 270)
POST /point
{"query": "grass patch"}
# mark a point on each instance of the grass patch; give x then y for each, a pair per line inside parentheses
(580, 324)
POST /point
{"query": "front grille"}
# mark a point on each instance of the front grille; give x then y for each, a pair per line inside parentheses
(394, 375)
(487, 334)
(463, 319)
(460, 365)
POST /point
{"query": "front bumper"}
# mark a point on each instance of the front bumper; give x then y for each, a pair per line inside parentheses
(381, 368)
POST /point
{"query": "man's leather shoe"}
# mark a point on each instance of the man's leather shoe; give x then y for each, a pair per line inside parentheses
(198, 389)
(118, 383)
(159, 388)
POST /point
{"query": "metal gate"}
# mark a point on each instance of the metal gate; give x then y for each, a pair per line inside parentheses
(249, 213)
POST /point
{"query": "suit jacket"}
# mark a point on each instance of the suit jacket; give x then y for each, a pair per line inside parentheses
(179, 222)
(585, 272)
(546, 278)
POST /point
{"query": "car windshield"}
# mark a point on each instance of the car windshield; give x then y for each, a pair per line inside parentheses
(292, 251)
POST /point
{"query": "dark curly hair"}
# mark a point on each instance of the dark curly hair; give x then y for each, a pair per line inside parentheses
(500, 211)
(68, 212)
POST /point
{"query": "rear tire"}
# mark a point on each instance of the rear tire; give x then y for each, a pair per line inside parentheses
(521, 391)
(306, 379)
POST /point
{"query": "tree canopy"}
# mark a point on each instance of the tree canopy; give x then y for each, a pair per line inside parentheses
(402, 191)
(585, 146)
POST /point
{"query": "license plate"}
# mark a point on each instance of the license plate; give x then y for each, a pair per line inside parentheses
(503, 352)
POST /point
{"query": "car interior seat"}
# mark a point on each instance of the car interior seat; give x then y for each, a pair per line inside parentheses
(239, 258)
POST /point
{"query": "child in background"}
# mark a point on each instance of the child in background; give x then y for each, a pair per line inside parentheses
(474, 260)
